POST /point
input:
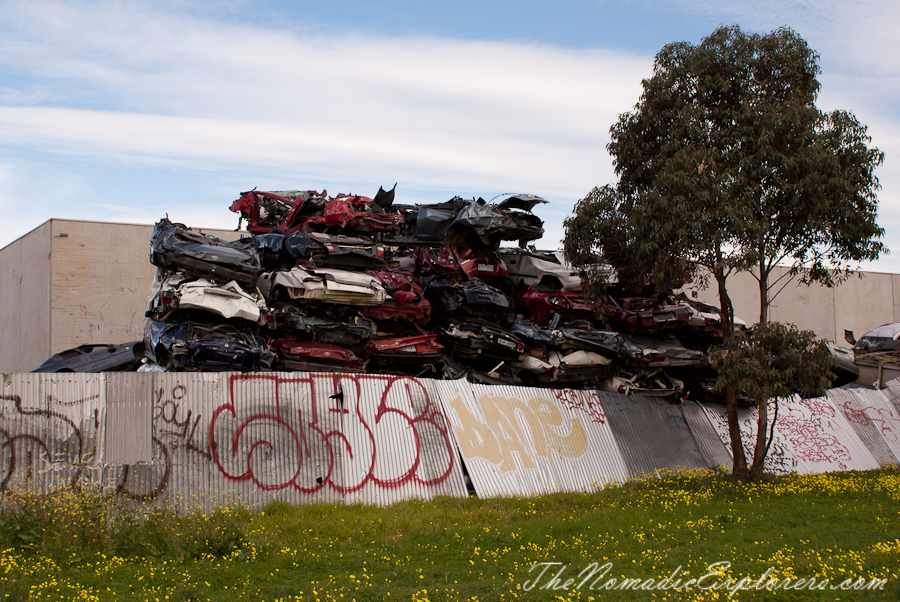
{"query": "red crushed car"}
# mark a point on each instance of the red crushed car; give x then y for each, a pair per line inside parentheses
(312, 357)
(541, 306)
(405, 301)
(287, 211)
(403, 352)
(637, 314)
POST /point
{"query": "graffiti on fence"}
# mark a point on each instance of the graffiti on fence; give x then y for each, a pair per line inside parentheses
(512, 426)
(802, 423)
(882, 418)
(323, 430)
(44, 441)
(587, 402)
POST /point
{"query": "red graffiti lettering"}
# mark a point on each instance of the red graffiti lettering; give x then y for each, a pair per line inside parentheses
(340, 430)
(586, 401)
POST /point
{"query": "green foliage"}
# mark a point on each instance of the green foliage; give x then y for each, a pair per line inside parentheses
(598, 232)
(727, 163)
(773, 360)
(770, 362)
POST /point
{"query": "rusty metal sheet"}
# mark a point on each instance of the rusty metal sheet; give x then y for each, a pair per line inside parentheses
(811, 436)
(874, 419)
(519, 441)
(651, 433)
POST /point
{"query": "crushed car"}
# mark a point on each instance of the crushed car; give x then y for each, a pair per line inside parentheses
(471, 297)
(229, 300)
(175, 247)
(206, 347)
(95, 357)
(354, 284)
(415, 353)
(545, 271)
(474, 223)
(289, 211)
(640, 314)
(306, 356)
(324, 285)
(541, 306)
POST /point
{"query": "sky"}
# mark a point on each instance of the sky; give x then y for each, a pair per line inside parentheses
(130, 111)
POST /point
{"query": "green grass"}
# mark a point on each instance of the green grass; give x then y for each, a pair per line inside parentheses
(85, 546)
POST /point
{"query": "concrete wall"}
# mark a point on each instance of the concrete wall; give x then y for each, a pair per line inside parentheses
(859, 304)
(25, 319)
(101, 279)
(70, 283)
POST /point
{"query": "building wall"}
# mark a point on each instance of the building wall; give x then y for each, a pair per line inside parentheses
(859, 304)
(70, 283)
(25, 301)
(100, 282)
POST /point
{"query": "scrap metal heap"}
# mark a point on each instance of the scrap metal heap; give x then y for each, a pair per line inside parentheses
(357, 284)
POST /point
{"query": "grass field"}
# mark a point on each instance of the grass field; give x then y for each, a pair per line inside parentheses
(643, 540)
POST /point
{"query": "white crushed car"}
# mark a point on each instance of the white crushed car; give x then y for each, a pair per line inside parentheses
(328, 286)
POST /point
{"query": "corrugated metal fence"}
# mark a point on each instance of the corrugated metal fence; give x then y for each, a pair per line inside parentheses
(208, 439)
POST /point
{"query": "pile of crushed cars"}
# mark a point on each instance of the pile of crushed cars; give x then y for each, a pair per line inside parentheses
(357, 284)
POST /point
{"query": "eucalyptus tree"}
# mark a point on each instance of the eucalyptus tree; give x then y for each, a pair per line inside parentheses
(727, 165)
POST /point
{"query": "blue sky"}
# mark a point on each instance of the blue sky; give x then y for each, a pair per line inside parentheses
(128, 111)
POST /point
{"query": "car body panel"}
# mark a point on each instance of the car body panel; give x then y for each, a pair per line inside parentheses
(405, 353)
(334, 325)
(228, 300)
(883, 338)
(653, 383)
(334, 251)
(405, 301)
(211, 347)
(315, 357)
(325, 285)
(638, 314)
(542, 270)
(477, 339)
(290, 211)
(470, 297)
(95, 357)
(541, 306)
(659, 350)
(177, 246)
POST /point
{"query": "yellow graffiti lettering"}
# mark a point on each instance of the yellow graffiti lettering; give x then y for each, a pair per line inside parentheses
(514, 426)
(475, 438)
(572, 445)
(500, 416)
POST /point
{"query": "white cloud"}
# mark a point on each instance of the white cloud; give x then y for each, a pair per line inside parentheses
(121, 83)
(427, 111)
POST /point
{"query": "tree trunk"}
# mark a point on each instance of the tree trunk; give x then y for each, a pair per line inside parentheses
(734, 431)
(763, 291)
(739, 467)
(759, 454)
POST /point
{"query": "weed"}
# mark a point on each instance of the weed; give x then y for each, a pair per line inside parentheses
(838, 527)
